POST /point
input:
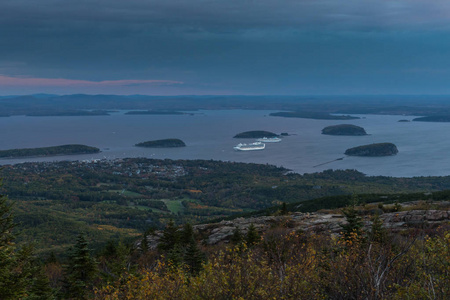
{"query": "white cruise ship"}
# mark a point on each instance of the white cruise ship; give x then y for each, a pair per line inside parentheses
(269, 140)
(250, 147)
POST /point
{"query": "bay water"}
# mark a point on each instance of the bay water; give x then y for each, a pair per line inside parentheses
(424, 148)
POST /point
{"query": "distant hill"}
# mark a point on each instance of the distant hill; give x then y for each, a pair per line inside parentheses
(165, 143)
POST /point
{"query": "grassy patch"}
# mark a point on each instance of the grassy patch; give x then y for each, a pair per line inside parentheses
(175, 206)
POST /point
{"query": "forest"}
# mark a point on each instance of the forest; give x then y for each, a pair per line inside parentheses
(361, 262)
(120, 199)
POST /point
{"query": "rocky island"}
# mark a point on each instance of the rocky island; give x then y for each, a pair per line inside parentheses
(257, 134)
(344, 129)
(165, 143)
(380, 149)
(48, 151)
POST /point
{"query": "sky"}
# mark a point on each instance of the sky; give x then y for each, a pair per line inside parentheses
(225, 47)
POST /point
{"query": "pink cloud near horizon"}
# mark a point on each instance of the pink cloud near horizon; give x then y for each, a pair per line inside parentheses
(7, 81)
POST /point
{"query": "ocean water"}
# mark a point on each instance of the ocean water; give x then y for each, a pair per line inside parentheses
(424, 148)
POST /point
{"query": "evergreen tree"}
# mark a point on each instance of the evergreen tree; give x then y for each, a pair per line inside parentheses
(175, 256)
(354, 224)
(252, 236)
(144, 243)
(80, 270)
(284, 210)
(237, 237)
(187, 234)
(19, 271)
(40, 288)
(193, 257)
(170, 237)
(378, 232)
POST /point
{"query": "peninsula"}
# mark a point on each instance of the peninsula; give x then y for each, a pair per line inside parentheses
(154, 112)
(68, 113)
(380, 149)
(344, 129)
(441, 118)
(48, 151)
(257, 134)
(312, 115)
(165, 143)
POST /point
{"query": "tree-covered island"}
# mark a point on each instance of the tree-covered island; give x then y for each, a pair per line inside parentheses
(68, 113)
(49, 151)
(380, 149)
(437, 118)
(154, 112)
(344, 129)
(312, 115)
(256, 134)
(165, 143)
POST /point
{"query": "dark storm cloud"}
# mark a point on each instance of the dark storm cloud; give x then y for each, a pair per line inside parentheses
(249, 46)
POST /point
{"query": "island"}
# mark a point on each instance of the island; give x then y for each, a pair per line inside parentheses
(344, 129)
(154, 112)
(68, 113)
(441, 118)
(312, 115)
(403, 121)
(380, 149)
(165, 143)
(49, 151)
(256, 134)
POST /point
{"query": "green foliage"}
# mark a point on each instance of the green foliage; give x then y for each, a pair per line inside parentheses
(237, 237)
(256, 134)
(80, 270)
(20, 274)
(344, 129)
(252, 237)
(166, 143)
(354, 223)
(120, 199)
(49, 151)
(170, 238)
(193, 257)
(378, 233)
(379, 149)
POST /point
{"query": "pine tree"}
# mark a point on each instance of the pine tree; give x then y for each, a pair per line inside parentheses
(187, 234)
(19, 270)
(378, 232)
(284, 210)
(252, 236)
(80, 270)
(237, 237)
(170, 237)
(175, 256)
(354, 224)
(193, 257)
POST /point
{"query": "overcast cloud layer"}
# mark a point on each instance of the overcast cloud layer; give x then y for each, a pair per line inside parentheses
(225, 47)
